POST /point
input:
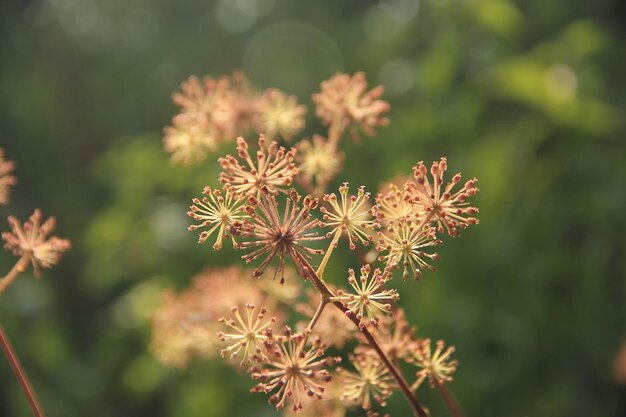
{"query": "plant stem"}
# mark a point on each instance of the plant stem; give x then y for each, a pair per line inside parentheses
(450, 401)
(20, 374)
(318, 313)
(418, 409)
(18, 268)
(331, 247)
(335, 131)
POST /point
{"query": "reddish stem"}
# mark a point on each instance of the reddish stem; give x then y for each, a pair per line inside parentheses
(20, 374)
(418, 409)
(450, 401)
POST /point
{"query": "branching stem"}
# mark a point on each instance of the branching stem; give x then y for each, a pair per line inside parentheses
(418, 409)
(318, 313)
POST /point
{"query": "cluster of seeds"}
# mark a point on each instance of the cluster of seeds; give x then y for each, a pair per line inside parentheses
(272, 223)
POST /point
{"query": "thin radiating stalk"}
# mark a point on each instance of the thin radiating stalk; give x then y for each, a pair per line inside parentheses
(318, 313)
(20, 374)
(418, 409)
(331, 247)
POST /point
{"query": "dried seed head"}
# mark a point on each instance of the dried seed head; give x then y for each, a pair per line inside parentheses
(436, 366)
(217, 211)
(370, 300)
(447, 208)
(351, 215)
(202, 122)
(185, 325)
(246, 334)
(394, 204)
(319, 162)
(273, 171)
(405, 241)
(182, 328)
(271, 235)
(32, 241)
(6, 179)
(371, 380)
(188, 143)
(344, 100)
(203, 104)
(279, 114)
(240, 108)
(292, 371)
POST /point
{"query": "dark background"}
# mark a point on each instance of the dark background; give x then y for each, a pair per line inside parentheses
(528, 96)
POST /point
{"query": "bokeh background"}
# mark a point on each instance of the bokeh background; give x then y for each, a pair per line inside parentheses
(528, 96)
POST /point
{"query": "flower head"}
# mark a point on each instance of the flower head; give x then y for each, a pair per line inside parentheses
(247, 334)
(436, 366)
(273, 171)
(212, 111)
(445, 207)
(351, 215)
(394, 204)
(32, 241)
(293, 371)
(240, 106)
(6, 179)
(370, 300)
(279, 114)
(182, 328)
(188, 143)
(204, 104)
(405, 241)
(271, 235)
(371, 380)
(319, 162)
(185, 325)
(344, 100)
(217, 212)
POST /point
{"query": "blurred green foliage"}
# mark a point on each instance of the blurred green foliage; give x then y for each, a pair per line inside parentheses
(527, 96)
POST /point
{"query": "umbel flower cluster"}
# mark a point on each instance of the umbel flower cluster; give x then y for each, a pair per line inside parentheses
(314, 347)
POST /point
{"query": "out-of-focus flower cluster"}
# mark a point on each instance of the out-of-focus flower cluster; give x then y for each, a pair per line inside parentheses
(31, 241)
(344, 100)
(6, 179)
(191, 324)
(290, 238)
(217, 110)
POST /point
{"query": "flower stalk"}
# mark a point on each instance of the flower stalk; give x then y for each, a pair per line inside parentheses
(18, 268)
(20, 374)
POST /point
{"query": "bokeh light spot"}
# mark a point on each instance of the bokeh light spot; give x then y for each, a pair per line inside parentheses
(292, 56)
(561, 82)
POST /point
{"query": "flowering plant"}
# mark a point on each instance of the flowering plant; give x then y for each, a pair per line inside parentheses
(32, 244)
(283, 233)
